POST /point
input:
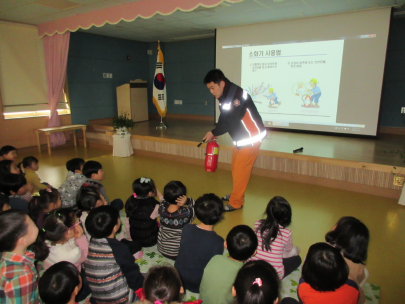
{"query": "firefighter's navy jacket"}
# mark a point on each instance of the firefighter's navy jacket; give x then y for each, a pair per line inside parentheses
(239, 117)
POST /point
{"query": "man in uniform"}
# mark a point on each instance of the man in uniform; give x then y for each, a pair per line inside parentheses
(240, 118)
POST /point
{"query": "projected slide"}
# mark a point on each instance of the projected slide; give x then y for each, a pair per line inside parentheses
(295, 82)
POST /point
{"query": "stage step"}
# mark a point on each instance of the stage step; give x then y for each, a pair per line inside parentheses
(96, 143)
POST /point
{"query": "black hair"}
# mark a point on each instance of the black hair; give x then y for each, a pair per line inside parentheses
(248, 281)
(6, 149)
(58, 283)
(39, 203)
(209, 209)
(91, 167)
(74, 164)
(241, 242)
(278, 212)
(173, 190)
(11, 183)
(5, 166)
(27, 161)
(141, 188)
(57, 223)
(162, 283)
(101, 221)
(324, 268)
(351, 237)
(215, 76)
(87, 197)
(13, 226)
(4, 200)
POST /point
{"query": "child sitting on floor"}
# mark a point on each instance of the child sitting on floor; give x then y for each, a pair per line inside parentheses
(89, 197)
(74, 180)
(18, 282)
(256, 283)
(325, 278)
(351, 237)
(176, 210)
(220, 272)
(48, 200)
(275, 240)
(30, 165)
(9, 166)
(113, 276)
(64, 237)
(94, 173)
(162, 285)
(199, 243)
(9, 152)
(142, 210)
(15, 187)
(60, 284)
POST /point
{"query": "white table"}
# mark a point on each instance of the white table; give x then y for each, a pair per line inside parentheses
(122, 146)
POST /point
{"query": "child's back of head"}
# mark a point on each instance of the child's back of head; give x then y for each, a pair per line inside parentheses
(101, 221)
(11, 184)
(209, 209)
(241, 242)
(48, 200)
(278, 213)
(8, 152)
(88, 197)
(256, 283)
(173, 190)
(163, 284)
(324, 268)
(60, 284)
(75, 164)
(91, 167)
(350, 236)
(13, 226)
(142, 188)
(57, 223)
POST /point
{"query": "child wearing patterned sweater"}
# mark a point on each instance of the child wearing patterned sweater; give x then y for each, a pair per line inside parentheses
(176, 210)
(74, 180)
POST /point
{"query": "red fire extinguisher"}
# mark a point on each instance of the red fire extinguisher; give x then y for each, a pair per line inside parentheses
(211, 156)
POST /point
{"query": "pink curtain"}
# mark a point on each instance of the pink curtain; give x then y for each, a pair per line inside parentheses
(56, 49)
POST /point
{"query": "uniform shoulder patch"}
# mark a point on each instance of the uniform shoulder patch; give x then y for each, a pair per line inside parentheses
(236, 102)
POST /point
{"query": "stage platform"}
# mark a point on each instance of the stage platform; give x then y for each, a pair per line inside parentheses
(364, 165)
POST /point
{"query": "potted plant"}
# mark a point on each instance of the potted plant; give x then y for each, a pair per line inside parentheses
(123, 123)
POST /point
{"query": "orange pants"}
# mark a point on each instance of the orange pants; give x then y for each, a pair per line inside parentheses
(242, 163)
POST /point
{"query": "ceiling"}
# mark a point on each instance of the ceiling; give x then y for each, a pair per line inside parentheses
(200, 23)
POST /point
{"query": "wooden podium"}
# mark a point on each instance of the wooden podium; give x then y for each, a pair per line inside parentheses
(132, 98)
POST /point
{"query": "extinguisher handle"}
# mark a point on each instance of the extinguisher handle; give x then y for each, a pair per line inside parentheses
(201, 143)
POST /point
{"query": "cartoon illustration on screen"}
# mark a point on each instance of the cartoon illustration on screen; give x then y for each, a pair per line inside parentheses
(273, 99)
(299, 89)
(255, 90)
(314, 92)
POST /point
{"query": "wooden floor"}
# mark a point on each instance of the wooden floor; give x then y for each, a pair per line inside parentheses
(369, 150)
(315, 209)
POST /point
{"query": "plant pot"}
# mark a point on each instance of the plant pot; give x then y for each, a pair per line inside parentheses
(122, 131)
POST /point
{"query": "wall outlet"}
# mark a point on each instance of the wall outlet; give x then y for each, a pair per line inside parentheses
(178, 102)
(149, 52)
(403, 110)
(110, 75)
(105, 75)
(205, 103)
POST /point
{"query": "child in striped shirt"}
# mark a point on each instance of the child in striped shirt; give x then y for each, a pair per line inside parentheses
(275, 241)
(176, 210)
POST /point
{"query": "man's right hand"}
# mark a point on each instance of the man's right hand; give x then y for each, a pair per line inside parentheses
(208, 137)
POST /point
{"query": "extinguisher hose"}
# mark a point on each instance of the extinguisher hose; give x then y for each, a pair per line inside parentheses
(201, 143)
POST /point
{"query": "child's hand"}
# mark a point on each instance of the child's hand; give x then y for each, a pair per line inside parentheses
(78, 231)
(181, 200)
(31, 187)
(159, 195)
(104, 202)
